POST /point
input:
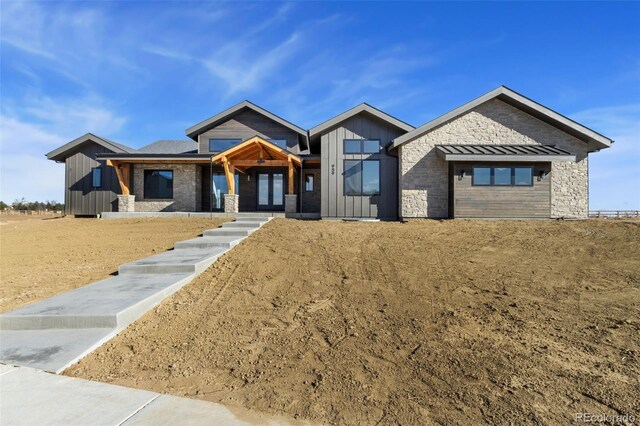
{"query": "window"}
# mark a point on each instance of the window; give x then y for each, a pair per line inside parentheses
(371, 146)
(370, 177)
(158, 184)
(361, 177)
(351, 146)
(361, 146)
(96, 177)
(502, 176)
(481, 176)
(308, 183)
(281, 143)
(523, 176)
(217, 145)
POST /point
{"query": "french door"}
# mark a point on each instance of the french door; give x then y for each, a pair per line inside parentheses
(270, 191)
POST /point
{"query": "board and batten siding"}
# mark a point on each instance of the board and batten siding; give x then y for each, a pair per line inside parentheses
(501, 201)
(334, 203)
(245, 125)
(80, 196)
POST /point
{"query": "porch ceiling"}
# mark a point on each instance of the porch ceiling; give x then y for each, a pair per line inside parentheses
(255, 152)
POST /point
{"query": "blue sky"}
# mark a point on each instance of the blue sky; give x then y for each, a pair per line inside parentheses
(135, 72)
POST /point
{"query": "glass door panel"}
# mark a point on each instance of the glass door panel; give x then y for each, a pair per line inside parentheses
(263, 189)
(277, 198)
(219, 187)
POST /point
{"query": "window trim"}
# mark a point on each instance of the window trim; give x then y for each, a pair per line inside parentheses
(492, 180)
(313, 184)
(361, 191)
(93, 177)
(237, 141)
(144, 184)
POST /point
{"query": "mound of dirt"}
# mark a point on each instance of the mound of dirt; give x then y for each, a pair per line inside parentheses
(427, 322)
(41, 257)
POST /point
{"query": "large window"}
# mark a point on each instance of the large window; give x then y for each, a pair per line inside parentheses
(361, 177)
(218, 145)
(361, 146)
(96, 177)
(502, 176)
(158, 184)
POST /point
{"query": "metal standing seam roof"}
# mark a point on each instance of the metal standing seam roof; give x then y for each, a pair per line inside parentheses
(504, 152)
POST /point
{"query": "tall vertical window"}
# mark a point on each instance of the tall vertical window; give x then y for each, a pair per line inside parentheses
(361, 177)
(308, 183)
(158, 184)
(96, 177)
(218, 145)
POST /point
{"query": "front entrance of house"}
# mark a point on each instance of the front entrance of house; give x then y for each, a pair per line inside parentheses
(270, 191)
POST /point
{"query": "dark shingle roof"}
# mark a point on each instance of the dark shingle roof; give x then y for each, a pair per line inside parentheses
(170, 147)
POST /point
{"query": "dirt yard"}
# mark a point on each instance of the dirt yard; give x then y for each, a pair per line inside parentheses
(44, 256)
(428, 322)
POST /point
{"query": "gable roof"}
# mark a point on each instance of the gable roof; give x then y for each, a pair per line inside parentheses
(164, 146)
(363, 107)
(60, 153)
(595, 140)
(209, 123)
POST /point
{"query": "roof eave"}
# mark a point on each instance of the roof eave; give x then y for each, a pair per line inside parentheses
(314, 131)
(594, 139)
(58, 153)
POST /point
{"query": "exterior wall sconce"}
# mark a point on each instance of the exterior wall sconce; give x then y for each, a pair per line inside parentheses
(462, 174)
(541, 174)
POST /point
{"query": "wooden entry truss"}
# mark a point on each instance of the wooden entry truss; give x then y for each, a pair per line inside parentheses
(255, 152)
(123, 172)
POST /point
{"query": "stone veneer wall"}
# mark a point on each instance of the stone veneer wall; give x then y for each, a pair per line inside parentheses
(185, 188)
(424, 174)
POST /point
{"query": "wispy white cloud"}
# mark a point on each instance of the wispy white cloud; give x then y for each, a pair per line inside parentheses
(37, 126)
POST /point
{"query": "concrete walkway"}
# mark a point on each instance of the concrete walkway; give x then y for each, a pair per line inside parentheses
(32, 397)
(53, 334)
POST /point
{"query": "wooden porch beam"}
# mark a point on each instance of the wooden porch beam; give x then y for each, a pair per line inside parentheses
(229, 174)
(256, 163)
(291, 172)
(123, 178)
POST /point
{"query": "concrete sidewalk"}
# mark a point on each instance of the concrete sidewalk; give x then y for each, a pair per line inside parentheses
(32, 397)
(55, 333)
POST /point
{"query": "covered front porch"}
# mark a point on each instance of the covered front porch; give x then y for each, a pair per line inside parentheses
(254, 175)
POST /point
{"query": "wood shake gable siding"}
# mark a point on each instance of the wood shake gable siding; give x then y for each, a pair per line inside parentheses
(334, 203)
(80, 196)
(245, 125)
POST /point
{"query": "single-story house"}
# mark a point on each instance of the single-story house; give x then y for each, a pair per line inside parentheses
(501, 155)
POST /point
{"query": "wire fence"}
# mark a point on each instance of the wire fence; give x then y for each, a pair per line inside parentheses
(614, 214)
(32, 212)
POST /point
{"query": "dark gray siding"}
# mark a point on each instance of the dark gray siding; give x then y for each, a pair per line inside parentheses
(500, 201)
(80, 197)
(334, 202)
(248, 124)
(311, 201)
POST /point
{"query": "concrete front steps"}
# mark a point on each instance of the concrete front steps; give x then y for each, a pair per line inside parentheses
(57, 332)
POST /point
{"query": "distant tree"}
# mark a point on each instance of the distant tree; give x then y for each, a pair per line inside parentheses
(3, 205)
